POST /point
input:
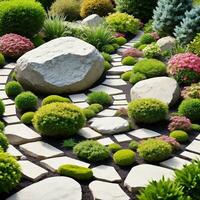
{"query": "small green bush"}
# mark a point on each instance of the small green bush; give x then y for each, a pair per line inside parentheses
(2, 60)
(53, 99)
(108, 49)
(123, 23)
(2, 107)
(107, 65)
(91, 150)
(179, 135)
(147, 110)
(129, 60)
(195, 127)
(26, 101)
(69, 143)
(114, 147)
(152, 51)
(13, 88)
(124, 157)
(150, 68)
(194, 45)
(89, 113)
(58, 119)
(133, 145)
(95, 107)
(116, 46)
(27, 117)
(22, 17)
(154, 150)
(99, 97)
(100, 7)
(136, 77)
(3, 141)
(2, 126)
(147, 38)
(191, 109)
(10, 172)
(106, 56)
(126, 75)
(121, 40)
(76, 172)
(37, 40)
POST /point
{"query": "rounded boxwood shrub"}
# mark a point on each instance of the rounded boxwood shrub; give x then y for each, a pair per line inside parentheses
(13, 88)
(27, 117)
(114, 147)
(2, 107)
(106, 56)
(124, 157)
(126, 75)
(89, 113)
(107, 65)
(3, 141)
(76, 172)
(147, 110)
(190, 108)
(108, 48)
(154, 150)
(22, 17)
(10, 172)
(121, 40)
(147, 39)
(91, 150)
(133, 145)
(99, 97)
(116, 46)
(150, 68)
(129, 60)
(136, 77)
(58, 119)
(26, 101)
(95, 107)
(53, 99)
(2, 60)
(180, 136)
(100, 7)
(2, 126)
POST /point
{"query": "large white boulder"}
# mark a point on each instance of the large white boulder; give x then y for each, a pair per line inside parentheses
(163, 88)
(166, 43)
(62, 65)
(93, 20)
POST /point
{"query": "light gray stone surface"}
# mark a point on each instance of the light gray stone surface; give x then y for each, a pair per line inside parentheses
(105, 141)
(194, 146)
(143, 133)
(120, 70)
(82, 104)
(107, 113)
(93, 20)
(62, 65)
(88, 133)
(166, 43)
(114, 82)
(122, 138)
(54, 188)
(11, 119)
(10, 110)
(190, 155)
(107, 89)
(78, 97)
(14, 152)
(163, 88)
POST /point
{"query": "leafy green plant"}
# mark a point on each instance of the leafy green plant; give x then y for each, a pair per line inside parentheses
(147, 38)
(194, 45)
(136, 77)
(54, 98)
(106, 56)
(13, 88)
(69, 143)
(121, 40)
(129, 60)
(2, 60)
(2, 126)
(179, 135)
(95, 107)
(126, 75)
(114, 147)
(152, 51)
(2, 107)
(3, 141)
(89, 113)
(27, 117)
(133, 145)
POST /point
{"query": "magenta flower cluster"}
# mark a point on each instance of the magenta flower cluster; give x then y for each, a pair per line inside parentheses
(179, 123)
(133, 52)
(155, 35)
(171, 141)
(184, 61)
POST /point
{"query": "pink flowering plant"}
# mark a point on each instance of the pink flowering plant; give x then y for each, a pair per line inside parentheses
(155, 35)
(172, 141)
(133, 52)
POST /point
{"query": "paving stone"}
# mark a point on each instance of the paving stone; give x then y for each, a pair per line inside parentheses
(8, 102)
(116, 107)
(53, 188)
(115, 64)
(40, 150)
(11, 119)
(3, 79)
(117, 59)
(32, 171)
(190, 155)
(198, 137)
(5, 72)
(120, 102)
(10, 66)
(107, 191)
(112, 76)
(141, 175)
(13, 151)
(110, 125)
(109, 90)
(88, 133)
(119, 97)
(175, 163)
(194, 146)
(82, 104)
(10, 110)
(144, 133)
(114, 82)
(120, 70)
(54, 163)
(107, 173)
(107, 113)
(3, 95)
(78, 97)
(116, 56)
(2, 87)
(20, 133)
(105, 141)
(122, 138)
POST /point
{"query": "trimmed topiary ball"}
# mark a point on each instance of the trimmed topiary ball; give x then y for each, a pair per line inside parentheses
(3, 141)
(126, 75)
(22, 17)
(58, 120)
(133, 145)
(154, 150)
(136, 77)
(76, 172)
(180, 136)
(10, 172)
(27, 117)
(2, 59)
(13, 88)
(107, 65)
(2, 126)
(190, 108)
(2, 107)
(100, 97)
(106, 56)
(26, 101)
(121, 40)
(147, 110)
(89, 113)
(91, 150)
(108, 48)
(95, 107)
(124, 157)
(100, 7)
(147, 39)
(129, 60)
(114, 147)
(53, 99)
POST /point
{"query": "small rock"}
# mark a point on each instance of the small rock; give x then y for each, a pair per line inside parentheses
(93, 20)
(166, 43)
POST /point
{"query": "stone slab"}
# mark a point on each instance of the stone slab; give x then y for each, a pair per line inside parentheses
(89, 133)
(190, 155)
(105, 141)
(194, 146)
(109, 90)
(114, 82)
(122, 138)
(144, 133)
(14, 152)
(78, 97)
(107, 113)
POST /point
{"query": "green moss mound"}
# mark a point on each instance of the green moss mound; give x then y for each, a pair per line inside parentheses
(129, 60)
(3, 141)
(114, 147)
(180, 136)
(27, 117)
(2, 107)
(13, 88)
(53, 99)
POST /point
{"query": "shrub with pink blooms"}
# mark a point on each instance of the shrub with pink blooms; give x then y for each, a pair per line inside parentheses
(185, 68)
(192, 91)
(170, 140)
(155, 35)
(179, 123)
(133, 52)
(14, 46)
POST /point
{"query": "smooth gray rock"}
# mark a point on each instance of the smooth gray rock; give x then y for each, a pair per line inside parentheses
(62, 65)
(93, 20)
(166, 43)
(163, 88)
